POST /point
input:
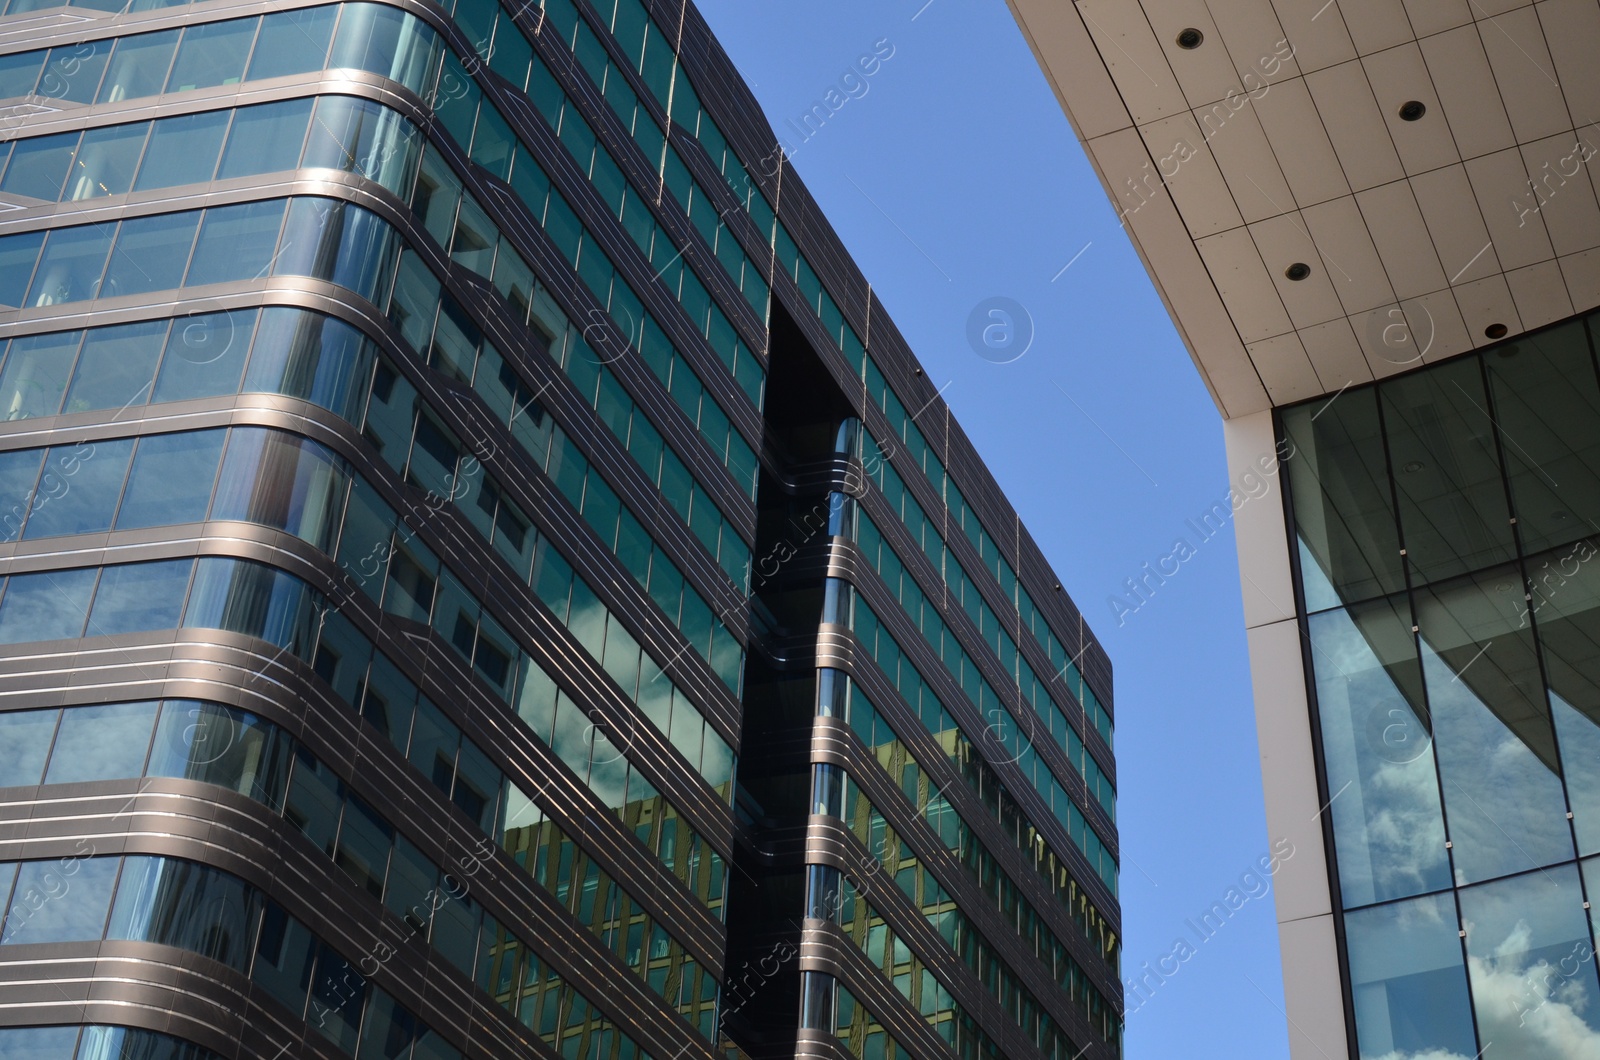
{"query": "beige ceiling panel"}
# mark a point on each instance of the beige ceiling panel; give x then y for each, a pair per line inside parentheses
(1336, 355)
(1485, 303)
(1192, 176)
(1399, 76)
(1482, 9)
(1284, 241)
(1393, 338)
(1447, 332)
(1540, 294)
(1317, 31)
(1466, 90)
(1376, 24)
(1247, 290)
(1525, 75)
(1435, 16)
(1459, 237)
(1582, 273)
(1159, 235)
(1259, 47)
(1561, 193)
(1065, 51)
(1401, 235)
(1248, 163)
(1499, 180)
(1346, 247)
(1132, 54)
(1351, 117)
(1572, 33)
(1283, 366)
(1205, 74)
(1304, 152)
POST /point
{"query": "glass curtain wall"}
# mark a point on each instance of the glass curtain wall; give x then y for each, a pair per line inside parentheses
(1446, 525)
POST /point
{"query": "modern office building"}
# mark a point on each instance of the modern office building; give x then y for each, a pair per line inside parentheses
(1376, 228)
(438, 445)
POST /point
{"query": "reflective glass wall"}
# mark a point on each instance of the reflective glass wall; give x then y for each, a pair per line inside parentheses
(1447, 524)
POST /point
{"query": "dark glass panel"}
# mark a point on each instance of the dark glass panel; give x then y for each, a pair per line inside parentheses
(292, 42)
(1442, 450)
(315, 799)
(171, 480)
(338, 992)
(71, 266)
(139, 67)
(205, 355)
(150, 254)
(182, 150)
(117, 367)
(50, 605)
(1492, 730)
(236, 243)
(307, 355)
(188, 906)
(364, 842)
(388, 1030)
(102, 743)
(284, 955)
(212, 54)
(412, 878)
(283, 481)
(265, 139)
(39, 166)
(24, 744)
(79, 490)
(106, 161)
(136, 597)
(253, 599)
(1530, 958)
(62, 900)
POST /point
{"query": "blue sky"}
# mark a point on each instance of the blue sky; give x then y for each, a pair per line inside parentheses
(956, 179)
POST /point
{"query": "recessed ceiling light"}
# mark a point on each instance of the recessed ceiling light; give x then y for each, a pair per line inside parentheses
(1412, 110)
(1190, 39)
(1298, 271)
(1495, 331)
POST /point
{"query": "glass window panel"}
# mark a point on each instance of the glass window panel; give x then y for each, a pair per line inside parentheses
(36, 373)
(38, 1043)
(17, 257)
(434, 741)
(79, 490)
(1447, 475)
(54, 902)
(314, 801)
(388, 1030)
(106, 161)
(182, 150)
(1409, 980)
(205, 355)
(338, 992)
(219, 745)
(150, 254)
(1376, 737)
(212, 54)
(139, 67)
(135, 597)
(236, 243)
(39, 166)
(1343, 511)
(1547, 404)
(188, 906)
(293, 42)
(102, 743)
(364, 842)
(19, 73)
(73, 71)
(1530, 959)
(265, 139)
(1566, 606)
(284, 954)
(24, 742)
(70, 268)
(1492, 731)
(307, 355)
(411, 877)
(171, 480)
(117, 367)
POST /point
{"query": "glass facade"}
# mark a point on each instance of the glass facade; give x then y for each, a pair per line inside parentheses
(1444, 523)
(442, 484)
